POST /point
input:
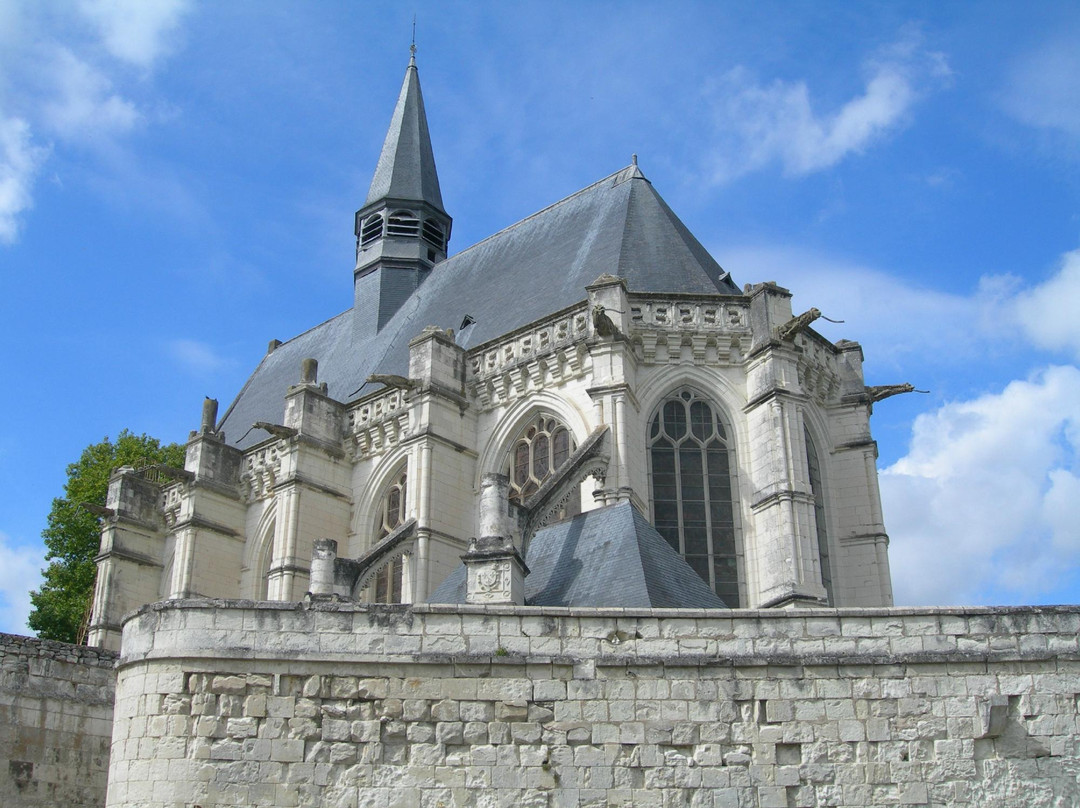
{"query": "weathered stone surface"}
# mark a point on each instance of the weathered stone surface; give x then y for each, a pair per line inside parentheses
(56, 706)
(793, 715)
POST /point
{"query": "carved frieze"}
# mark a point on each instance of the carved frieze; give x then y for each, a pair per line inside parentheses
(544, 355)
(172, 501)
(261, 471)
(712, 330)
(377, 424)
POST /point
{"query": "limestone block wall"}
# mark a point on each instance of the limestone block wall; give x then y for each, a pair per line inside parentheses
(235, 703)
(55, 723)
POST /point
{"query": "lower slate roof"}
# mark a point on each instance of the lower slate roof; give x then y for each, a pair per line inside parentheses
(618, 226)
(608, 557)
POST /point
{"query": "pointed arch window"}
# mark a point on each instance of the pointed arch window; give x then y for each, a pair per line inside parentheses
(814, 466)
(690, 463)
(386, 587)
(403, 223)
(539, 451)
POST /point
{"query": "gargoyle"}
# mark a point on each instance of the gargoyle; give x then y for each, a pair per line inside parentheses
(883, 391)
(392, 380)
(277, 430)
(602, 324)
(99, 511)
(796, 325)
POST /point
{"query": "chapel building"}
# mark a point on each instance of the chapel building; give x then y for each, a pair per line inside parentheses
(587, 385)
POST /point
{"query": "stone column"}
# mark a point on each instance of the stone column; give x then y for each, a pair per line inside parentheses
(323, 556)
(495, 569)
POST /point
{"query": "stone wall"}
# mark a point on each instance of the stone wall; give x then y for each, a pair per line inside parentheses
(234, 703)
(56, 703)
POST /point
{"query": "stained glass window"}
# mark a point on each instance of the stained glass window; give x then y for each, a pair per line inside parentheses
(693, 504)
(541, 449)
(386, 585)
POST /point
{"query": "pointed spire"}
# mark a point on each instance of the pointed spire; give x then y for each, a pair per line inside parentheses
(406, 168)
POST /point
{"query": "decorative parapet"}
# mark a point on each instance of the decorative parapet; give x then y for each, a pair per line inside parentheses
(546, 353)
(261, 470)
(702, 322)
(172, 500)
(377, 423)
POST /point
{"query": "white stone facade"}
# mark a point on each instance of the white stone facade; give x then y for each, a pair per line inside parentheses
(776, 506)
(242, 523)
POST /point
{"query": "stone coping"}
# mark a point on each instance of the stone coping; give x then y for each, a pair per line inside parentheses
(213, 632)
(350, 607)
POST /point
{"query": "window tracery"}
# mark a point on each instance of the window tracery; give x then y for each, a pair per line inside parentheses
(693, 500)
(540, 450)
(385, 586)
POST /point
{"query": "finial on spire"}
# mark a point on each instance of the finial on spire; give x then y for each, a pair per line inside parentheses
(633, 159)
(412, 47)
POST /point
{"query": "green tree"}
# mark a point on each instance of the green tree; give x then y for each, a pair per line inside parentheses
(61, 606)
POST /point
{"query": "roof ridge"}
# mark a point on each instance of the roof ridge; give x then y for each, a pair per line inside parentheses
(519, 222)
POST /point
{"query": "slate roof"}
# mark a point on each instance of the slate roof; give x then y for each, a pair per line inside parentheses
(608, 557)
(619, 225)
(406, 167)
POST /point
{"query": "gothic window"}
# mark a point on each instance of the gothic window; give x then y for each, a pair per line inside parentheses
(543, 446)
(371, 230)
(386, 586)
(693, 505)
(433, 234)
(403, 223)
(819, 515)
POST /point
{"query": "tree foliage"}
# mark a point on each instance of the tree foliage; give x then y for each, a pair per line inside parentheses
(62, 605)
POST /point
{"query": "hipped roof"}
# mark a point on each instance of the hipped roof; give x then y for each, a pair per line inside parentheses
(617, 226)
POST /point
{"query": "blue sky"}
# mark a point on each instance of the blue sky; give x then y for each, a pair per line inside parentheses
(177, 184)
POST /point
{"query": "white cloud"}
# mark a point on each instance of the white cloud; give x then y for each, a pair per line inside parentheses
(1043, 87)
(136, 31)
(197, 357)
(986, 504)
(20, 571)
(1047, 312)
(60, 88)
(85, 103)
(20, 159)
(759, 125)
(893, 317)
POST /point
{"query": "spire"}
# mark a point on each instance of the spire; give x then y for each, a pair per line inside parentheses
(406, 168)
(402, 231)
